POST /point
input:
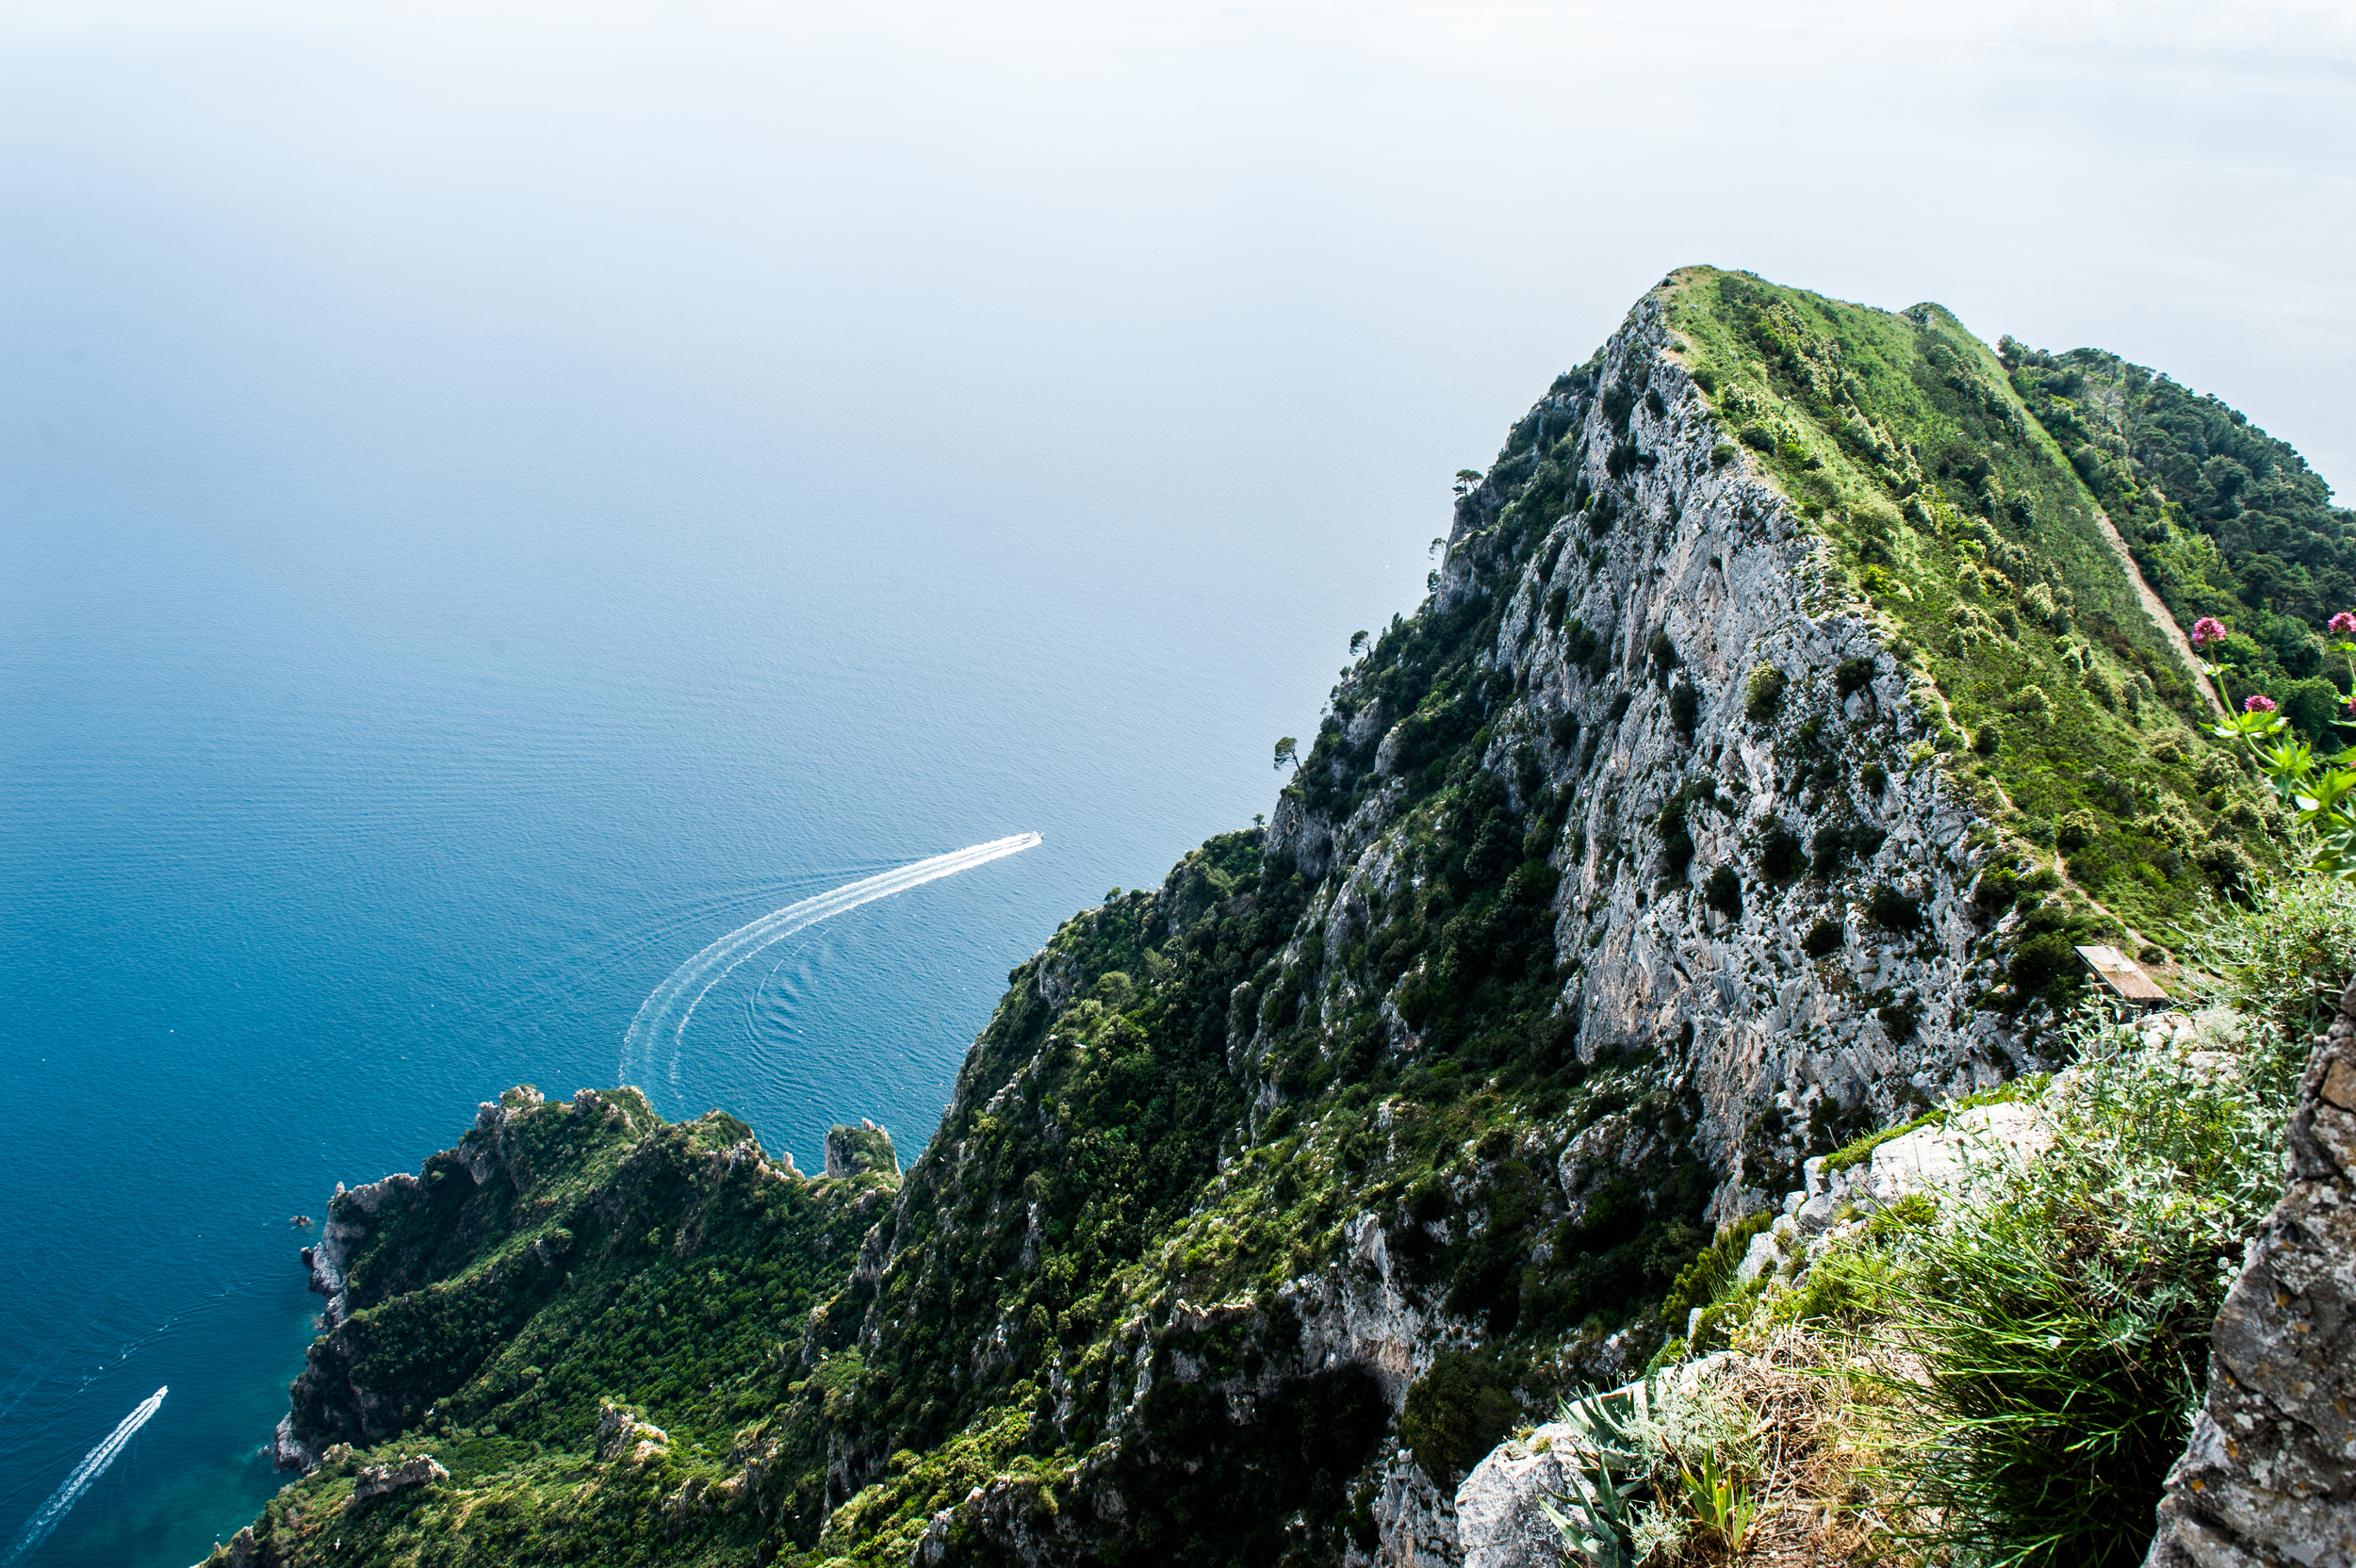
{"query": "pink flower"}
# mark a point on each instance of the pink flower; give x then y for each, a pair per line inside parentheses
(2207, 629)
(2344, 624)
(2258, 704)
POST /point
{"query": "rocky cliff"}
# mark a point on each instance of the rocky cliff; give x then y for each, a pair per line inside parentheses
(1705, 817)
(2269, 1477)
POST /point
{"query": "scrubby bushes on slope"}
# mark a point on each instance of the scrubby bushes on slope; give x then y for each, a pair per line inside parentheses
(2020, 1358)
(1947, 505)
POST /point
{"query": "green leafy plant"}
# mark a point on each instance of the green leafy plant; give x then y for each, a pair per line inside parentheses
(2057, 1312)
(1722, 1500)
(2319, 792)
(1600, 1522)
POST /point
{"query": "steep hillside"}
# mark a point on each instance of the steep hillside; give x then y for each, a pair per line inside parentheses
(1702, 818)
(2224, 519)
(483, 1313)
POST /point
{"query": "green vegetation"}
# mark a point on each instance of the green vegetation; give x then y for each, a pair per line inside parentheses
(2042, 1331)
(2225, 521)
(491, 1323)
(1199, 1106)
(1956, 516)
(1457, 1411)
(1656, 1466)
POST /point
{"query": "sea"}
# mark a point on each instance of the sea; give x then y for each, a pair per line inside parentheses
(485, 519)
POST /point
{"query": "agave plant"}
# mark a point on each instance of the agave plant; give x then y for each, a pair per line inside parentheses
(1598, 1524)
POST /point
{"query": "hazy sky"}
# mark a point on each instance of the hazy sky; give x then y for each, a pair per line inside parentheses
(1414, 213)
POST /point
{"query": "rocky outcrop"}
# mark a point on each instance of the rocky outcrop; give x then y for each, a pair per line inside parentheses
(859, 1150)
(1786, 1009)
(1765, 871)
(377, 1481)
(1932, 1158)
(2268, 1479)
(1497, 1519)
(1634, 635)
(288, 1451)
(622, 1436)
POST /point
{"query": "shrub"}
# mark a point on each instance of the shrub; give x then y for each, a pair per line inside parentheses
(1685, 708)
(1723, 453)
(1825, 938)
(1890, 909)
(1676, 842)
(2312, 706)
(2054, 1398)
(2284, 954)
(2040, 961)
(1457, 1412)
(1852, 675)
(2038, 602)
(1825, 853)
(1711, 1275)
(2077, 830)
(1764, 692)
(1990, 739)
(1724, 893)
(1781, 856)
(2060, 1309)
(1663, 652)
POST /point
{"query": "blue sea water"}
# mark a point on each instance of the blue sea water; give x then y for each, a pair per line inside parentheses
(438, 596)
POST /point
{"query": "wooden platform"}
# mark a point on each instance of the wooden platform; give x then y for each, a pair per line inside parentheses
(2123, 976)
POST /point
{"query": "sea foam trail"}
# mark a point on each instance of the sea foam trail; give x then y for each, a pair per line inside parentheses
(93, 1466)
(662, 1017)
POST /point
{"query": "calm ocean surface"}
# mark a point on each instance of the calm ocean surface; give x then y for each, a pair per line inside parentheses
(488, 507)
(435, 603)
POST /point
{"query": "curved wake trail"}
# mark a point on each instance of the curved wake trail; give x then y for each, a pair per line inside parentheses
(93, 1466)
(662, 1017)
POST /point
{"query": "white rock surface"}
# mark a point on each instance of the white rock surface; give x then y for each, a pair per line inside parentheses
(1936, 1158)
(1497, 1518)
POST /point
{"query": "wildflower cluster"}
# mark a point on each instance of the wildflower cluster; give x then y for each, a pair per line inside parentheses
(2320, 791)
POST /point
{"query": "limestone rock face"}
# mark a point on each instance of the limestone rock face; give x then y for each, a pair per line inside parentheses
(376, 1481)
(1630, 636)
(1497, 1509)
(623, 1436)
(1686, 573)
(1763, 891)
(1781, 1014)
(2268, 1478)
(1976, 1141)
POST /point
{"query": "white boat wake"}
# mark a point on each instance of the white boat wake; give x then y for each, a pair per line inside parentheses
(93, 1466)
(662, 1017)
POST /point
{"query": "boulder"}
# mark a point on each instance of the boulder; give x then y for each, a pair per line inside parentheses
(2268, 1478)
(377, 1481)
(623, 1436)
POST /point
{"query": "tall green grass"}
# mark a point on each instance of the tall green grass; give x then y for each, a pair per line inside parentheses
(2059, 1310)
